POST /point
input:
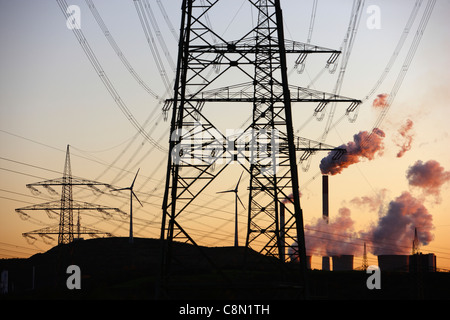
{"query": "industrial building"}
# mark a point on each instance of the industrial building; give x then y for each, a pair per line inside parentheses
(342, 262)
(408, 263)
(393, 262)
(422, 262)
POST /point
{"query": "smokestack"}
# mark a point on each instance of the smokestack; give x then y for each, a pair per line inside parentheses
(326, 263)
(325, 208)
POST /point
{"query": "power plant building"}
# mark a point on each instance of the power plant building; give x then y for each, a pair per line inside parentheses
(393, 262)
(408, 263)
(422, 263)
(342, 263)
(326, 263)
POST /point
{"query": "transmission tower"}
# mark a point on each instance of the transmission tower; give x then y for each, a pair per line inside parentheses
(266, 149)
(365, 262)
(415, 243)
(66, 206)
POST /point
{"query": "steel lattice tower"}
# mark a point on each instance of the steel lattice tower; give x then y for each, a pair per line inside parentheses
(66, 206)
(266, 149)
(65, 234)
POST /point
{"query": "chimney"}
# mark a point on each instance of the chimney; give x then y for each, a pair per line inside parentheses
(325, 197)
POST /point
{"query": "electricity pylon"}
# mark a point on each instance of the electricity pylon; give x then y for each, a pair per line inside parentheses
(235, 191)
(131, 204)
(365, 262)
(66, 205)
(199, 152)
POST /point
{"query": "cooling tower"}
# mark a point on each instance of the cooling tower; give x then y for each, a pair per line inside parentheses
(393, 262)
(342, 263)
(325, 208)
(326, 263)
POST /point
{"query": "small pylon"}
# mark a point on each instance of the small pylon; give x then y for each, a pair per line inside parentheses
(365, 263)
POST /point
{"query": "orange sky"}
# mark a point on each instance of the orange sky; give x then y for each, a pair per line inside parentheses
(50, 96)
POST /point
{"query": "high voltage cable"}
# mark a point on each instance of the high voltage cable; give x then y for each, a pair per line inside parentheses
(410, 55)
(151, 42)
(158, 2)
(147, 31)
(349, 40)
(159, 36)
(166, 18)
(116, 48)
(419, 33)
(397, 50)
(97, 161)
(106, 81)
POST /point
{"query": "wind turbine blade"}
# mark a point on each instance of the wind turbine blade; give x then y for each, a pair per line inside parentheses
(135, 178)
(225, 191)
(240, 201)
(239, 180)
(120, 189)
(134, 194)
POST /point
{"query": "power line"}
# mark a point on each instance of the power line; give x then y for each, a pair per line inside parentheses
(105, 79)
(117, 49)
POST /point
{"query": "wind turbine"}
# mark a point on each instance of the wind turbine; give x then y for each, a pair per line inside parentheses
(131, 204)
(235, 190)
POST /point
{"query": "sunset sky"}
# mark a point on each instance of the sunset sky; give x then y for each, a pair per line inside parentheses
(51, 96)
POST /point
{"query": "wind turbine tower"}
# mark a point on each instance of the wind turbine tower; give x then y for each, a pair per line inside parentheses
(131, 203)
(235, 190)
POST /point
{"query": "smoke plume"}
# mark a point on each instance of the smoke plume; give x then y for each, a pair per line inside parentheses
(429, 176)
(380, 100)
(373, 203)
(334, 238)
(290, 198)
(364, 145)
(406, 137)
(394, 231)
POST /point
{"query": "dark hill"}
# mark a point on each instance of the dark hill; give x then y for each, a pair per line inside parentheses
(111, 268)
(114, 268)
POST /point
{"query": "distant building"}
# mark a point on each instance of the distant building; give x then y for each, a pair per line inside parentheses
(393, 262)
(342, 263)
(422, 262)
(4, 282)
(326, 263)
(408, 263)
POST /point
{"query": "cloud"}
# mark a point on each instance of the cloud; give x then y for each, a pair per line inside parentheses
(380, 100)
(429, 177)
(290, 198)
(333, 238)
(373, 203)
(406, 138)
